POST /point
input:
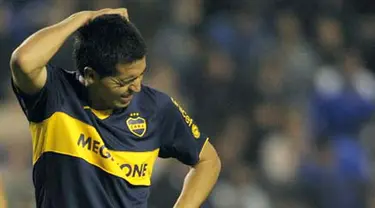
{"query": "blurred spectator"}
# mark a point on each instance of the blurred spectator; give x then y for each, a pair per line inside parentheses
(5, 49)
(343, 102)
(330, 40)
(3, 202)
(16, 172)
(240, 190)
(213, 90)
(299, 59)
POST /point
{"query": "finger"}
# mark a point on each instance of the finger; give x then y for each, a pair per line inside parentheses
(120, 11)
(123, 12)
(102, 12)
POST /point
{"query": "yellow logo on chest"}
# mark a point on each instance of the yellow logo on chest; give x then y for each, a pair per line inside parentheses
(137, 125)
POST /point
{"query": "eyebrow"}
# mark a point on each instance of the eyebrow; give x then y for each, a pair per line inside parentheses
(128, 79)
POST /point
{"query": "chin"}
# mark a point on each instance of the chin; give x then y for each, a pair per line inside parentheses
(121, 105)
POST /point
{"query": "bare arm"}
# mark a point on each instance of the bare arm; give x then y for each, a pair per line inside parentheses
(29, 60)
(200, 180)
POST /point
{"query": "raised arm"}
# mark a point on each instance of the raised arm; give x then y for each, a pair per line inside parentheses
(29, 60)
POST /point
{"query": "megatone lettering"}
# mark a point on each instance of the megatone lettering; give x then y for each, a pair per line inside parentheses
(97, 147)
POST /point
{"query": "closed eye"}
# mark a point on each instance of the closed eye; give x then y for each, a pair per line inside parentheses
(118, 83)
(124, 82)
(129, 81)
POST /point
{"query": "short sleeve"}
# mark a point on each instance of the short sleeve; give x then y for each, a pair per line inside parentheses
(41, 105)
(181, 137)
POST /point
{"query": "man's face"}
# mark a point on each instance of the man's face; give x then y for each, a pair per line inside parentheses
(115, 92)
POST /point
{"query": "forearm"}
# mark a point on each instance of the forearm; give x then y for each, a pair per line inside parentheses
(198, 184)
(36, 51)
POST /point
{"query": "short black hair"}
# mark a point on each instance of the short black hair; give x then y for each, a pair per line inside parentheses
(106, 41)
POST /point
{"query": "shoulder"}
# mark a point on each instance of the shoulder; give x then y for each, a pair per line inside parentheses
(155, 98)
(65, 74)
(69, 80)
(51, 98)
(58, 75)
(161, 104)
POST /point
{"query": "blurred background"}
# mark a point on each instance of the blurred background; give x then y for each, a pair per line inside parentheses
(284, 88)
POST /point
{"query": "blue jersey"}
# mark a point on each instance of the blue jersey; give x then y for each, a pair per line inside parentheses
(88, 158)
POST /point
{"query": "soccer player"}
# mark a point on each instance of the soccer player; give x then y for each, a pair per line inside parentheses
(97, 132)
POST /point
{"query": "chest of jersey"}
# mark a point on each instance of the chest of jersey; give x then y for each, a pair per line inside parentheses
(124, 144)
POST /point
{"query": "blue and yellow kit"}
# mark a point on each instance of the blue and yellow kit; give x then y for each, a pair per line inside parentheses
(88, 158)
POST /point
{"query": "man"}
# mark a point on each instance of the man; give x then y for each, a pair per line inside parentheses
(97, 132)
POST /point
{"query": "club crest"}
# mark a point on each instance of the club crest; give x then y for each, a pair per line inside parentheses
(137, 126)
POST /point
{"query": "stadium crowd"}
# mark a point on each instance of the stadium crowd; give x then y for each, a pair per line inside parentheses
(285, 89)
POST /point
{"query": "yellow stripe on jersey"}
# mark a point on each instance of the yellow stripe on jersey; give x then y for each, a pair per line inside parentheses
(101, 114)
(66, 135)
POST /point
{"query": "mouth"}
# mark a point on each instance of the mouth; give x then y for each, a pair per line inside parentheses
(126, 98)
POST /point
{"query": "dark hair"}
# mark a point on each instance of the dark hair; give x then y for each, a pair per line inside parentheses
(107, 41)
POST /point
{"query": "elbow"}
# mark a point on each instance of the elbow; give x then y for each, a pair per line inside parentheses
(25, 61)
(18, 60)
(213, 163)
(215, 160)
(210, 159)
(217, 164)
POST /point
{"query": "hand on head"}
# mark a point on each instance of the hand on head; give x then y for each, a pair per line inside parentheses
(120, 11)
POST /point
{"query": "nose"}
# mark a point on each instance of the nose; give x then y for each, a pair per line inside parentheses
(136, 86)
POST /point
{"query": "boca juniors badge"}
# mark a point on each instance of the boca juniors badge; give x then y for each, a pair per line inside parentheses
(137, 125)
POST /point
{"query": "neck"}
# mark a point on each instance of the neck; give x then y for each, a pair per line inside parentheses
(94, 100)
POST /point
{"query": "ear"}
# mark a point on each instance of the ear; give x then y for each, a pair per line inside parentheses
(90, 75)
